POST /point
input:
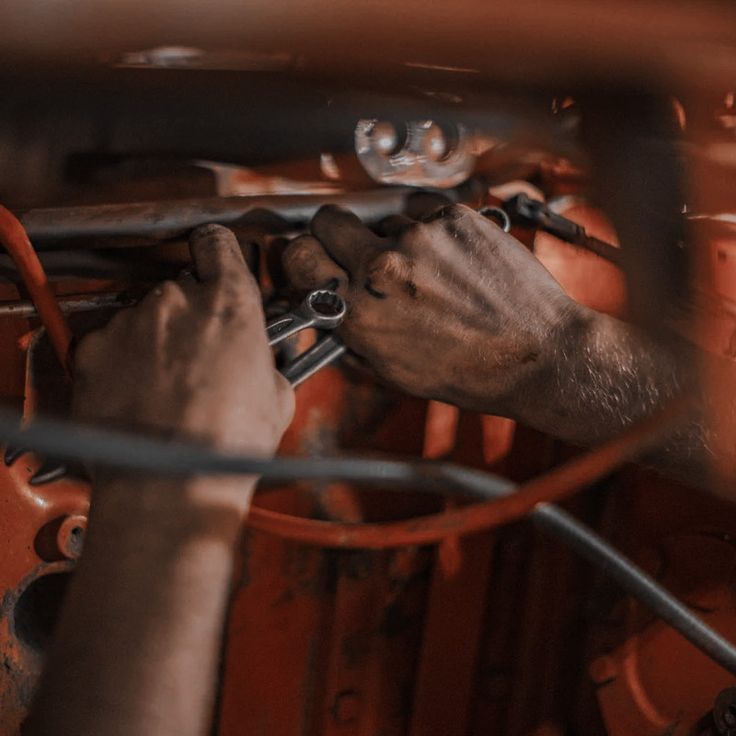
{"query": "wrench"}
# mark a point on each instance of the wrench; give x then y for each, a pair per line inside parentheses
(322, 309)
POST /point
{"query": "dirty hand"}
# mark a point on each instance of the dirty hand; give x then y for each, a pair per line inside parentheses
(191, 359)
(451, 308)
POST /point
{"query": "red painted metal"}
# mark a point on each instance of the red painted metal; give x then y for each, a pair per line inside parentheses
(38, 526)
(649, 679)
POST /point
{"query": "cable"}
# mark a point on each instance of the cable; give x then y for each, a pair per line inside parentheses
(564, 528)
(554, 485)
(13, 236)
(71, 441)
(126, 451)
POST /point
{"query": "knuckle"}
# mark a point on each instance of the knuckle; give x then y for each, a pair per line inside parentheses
(324, 217)
(458, 222)
(162, 295)
(458, 212)
(169, 291)
(415, 236)
(449, 215)
(390, 265)
(300, 256)
(329, 211)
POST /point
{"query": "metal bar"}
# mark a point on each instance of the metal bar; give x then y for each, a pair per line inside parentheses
(68, 305)
(48, 228)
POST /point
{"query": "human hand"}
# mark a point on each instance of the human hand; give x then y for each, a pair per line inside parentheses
(452, 308)
(191, 359)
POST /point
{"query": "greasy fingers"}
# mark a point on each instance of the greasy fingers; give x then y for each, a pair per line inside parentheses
(345, 238)
(389, 273)
(307, 266)
(395, 225)
(449, 308)
(216, 254)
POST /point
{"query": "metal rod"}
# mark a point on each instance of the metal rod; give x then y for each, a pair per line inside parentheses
(49, 228)
(68, 305)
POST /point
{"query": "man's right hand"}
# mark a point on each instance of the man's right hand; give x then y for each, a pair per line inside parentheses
(452, 308)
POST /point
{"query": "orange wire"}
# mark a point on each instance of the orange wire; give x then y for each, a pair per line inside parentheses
(553, 486)
(14, 238)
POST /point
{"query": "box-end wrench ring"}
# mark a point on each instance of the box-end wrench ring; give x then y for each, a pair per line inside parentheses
(322, 309)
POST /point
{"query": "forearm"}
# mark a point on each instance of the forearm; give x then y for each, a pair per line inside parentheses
(604, 375)
(136, 650)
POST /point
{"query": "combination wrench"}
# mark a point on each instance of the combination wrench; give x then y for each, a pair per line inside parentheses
(322, 309)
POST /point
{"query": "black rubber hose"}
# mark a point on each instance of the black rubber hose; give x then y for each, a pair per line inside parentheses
(561, 526)
(70, 441)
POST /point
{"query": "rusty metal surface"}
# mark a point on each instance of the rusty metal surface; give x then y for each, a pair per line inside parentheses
(41, 531)
(169, 219)
(68, 304)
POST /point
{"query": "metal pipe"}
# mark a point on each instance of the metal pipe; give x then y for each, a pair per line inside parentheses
(49, 228)
(68, 304)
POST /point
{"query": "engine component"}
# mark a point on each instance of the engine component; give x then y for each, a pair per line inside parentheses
(421, 153)
(99, 225)
(525, 211)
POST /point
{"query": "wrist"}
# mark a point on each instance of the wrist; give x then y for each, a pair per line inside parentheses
(170, 509)
(541, 396)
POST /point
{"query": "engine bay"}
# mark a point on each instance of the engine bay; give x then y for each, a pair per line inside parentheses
(467, 574)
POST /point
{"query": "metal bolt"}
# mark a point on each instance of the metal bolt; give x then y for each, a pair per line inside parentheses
(70, 536)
